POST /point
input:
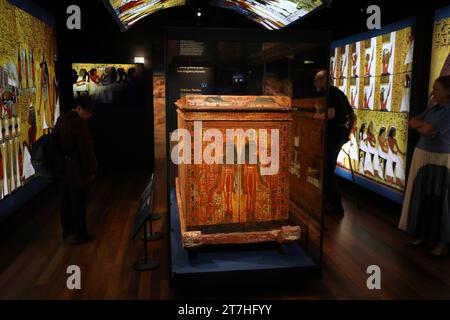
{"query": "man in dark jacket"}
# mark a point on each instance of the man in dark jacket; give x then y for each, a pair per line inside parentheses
(341, 120)
(80, 168)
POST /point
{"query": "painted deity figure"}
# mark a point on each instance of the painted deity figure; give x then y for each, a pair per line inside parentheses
(366, 104)
(368, 64)
(44, 97)
(353, 96)
(386, 58)
(384, 99)
(354, 65)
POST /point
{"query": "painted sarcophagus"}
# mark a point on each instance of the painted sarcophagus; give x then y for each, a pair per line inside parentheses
(233, 156)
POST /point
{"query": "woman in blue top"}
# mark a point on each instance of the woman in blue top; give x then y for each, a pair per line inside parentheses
(426, 209)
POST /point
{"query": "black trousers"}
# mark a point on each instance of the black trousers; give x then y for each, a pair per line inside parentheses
(332, 194)
(73, 210)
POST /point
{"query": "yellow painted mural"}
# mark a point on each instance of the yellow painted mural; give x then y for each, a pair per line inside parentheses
(28, 89)
(101, 82)
(440, 54)
(376, 74)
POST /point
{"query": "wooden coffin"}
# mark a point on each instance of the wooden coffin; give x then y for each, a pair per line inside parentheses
(232, 202)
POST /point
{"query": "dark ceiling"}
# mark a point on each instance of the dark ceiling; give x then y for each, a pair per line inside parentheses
(343, 17)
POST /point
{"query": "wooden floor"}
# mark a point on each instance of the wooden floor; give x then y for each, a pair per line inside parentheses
(34, 259)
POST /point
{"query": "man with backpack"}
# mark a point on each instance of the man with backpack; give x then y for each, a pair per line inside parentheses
(79, 169)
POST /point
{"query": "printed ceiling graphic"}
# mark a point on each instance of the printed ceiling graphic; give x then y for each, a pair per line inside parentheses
(271, 14)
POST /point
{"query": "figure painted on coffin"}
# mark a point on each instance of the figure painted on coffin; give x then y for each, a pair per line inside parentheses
(253, 183)
(225, 186)
(229, 188)
(251, 174)
(239, 182)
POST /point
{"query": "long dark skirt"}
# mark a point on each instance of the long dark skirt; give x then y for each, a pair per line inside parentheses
(426, 209)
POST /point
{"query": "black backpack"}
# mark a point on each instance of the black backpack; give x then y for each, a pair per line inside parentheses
(46, 156)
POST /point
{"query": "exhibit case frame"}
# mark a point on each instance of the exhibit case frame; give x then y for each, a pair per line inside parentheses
(229, 262)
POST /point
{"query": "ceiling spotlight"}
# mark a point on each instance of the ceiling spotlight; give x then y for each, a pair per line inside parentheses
(199, 13)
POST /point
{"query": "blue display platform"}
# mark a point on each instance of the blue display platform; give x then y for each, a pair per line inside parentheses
(374, 186)
(13, 202)
(236, 264)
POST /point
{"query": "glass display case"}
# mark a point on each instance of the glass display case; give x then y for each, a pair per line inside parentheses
(234, 198)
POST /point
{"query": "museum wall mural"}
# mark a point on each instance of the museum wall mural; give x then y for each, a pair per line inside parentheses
(28, 89)
(375, 74)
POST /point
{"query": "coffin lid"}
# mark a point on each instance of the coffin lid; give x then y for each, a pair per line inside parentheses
(233, 103)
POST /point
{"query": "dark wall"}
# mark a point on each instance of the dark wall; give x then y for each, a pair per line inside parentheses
(122, 130)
